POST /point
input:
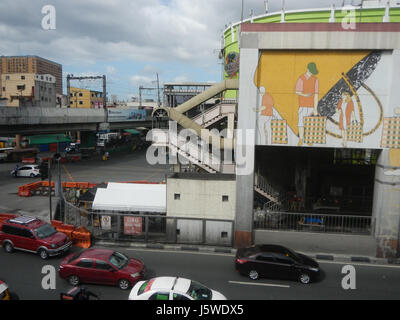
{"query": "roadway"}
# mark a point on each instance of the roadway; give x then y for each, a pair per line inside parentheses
(22, 271)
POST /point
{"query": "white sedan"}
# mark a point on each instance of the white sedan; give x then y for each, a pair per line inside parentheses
(31, 170)
(173, 288)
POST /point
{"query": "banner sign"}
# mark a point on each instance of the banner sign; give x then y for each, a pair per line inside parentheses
(121, 115)
(106, 222)
(133, 225)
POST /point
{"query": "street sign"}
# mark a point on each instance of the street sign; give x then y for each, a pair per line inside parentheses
(106, 222)
(133, 225)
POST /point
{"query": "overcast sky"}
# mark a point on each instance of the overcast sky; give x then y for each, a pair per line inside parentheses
(131, 40)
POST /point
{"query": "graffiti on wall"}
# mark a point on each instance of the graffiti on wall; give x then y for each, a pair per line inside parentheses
(325, 98)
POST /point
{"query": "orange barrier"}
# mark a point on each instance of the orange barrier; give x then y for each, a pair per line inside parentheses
(29, 160)
(56, 224)
(66, 228)
(81, 237)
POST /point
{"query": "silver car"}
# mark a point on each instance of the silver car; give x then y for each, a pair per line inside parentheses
(29, 170)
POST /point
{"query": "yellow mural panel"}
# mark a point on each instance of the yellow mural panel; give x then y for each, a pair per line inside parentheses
(279, 72)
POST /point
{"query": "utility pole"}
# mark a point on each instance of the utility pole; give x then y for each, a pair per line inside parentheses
(50, 189)
(158, 91)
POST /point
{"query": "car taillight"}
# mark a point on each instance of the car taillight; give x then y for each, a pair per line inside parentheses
(241, 261)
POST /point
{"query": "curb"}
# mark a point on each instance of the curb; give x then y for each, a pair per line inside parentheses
(231, 251)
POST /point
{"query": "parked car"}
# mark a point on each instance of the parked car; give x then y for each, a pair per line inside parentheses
(73, 148)
(33, 235)
(102, 266)
(31, 170)
(274, 261)
(173, 288)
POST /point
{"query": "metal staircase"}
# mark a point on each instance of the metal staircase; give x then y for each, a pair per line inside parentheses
(263, 187)
(214, 114)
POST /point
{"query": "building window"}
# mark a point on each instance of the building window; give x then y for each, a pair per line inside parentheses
(225, 198)
(80, 102)
(80, 94)
(7, 77)
(21, 87)
(4, 88)
(177, 196)
(22, 77)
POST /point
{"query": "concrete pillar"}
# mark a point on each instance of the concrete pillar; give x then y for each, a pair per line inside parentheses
(231, 125)
(78, 135)
(245, 149)
(17, 141)
(386, 206)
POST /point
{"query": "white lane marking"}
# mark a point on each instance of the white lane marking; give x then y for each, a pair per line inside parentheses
(231, 255)
(259, 284)
(183, 252)
(360, 264)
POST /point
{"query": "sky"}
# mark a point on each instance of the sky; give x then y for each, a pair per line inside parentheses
(130, 41)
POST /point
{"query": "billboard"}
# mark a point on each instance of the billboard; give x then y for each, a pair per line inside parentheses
(121, 115)
(326, 99)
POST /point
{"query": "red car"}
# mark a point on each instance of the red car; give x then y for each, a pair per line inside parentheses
(102, 266)
(33, 235)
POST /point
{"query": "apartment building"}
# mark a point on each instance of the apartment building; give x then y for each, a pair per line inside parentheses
(31, 64)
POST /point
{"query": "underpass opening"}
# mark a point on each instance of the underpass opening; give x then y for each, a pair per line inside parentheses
(315, 189)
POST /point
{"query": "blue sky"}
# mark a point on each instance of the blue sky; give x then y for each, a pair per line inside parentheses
(130, 41)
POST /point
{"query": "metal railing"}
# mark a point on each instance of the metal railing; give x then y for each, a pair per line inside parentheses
(150, 228)
(308, 222)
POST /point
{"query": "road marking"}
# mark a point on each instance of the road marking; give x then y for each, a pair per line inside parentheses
(259, 284)
(360, 264)
(182, 252)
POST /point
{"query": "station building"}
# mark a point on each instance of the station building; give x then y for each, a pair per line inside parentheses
(317, 120)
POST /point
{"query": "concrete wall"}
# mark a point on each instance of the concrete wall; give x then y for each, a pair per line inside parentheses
(37, 115)
(201, 199)
(319, 242)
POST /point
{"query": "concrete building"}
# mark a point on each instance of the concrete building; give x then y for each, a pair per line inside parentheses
(29, 89)
(31, 64)
(84, 98)
(317, 146)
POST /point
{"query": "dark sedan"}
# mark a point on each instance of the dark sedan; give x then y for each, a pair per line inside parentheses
(273, 261)
(101, 266)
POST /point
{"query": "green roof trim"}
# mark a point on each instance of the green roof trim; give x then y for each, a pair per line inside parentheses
(132, 132)
(48, 139)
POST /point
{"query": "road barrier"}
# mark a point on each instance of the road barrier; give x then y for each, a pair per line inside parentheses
(81, 237)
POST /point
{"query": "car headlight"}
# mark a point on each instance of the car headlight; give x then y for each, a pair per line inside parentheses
(134, 275)
(52, 245)
(314, 269)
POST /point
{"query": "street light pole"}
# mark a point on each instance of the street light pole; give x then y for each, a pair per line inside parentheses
(50, 189)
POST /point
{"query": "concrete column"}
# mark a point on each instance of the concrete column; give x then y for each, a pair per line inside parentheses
(386, 206)
(245, 148)
(78, 135)
(231, 125)
(17, 141)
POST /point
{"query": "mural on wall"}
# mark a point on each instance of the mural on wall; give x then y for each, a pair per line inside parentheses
(324, 98)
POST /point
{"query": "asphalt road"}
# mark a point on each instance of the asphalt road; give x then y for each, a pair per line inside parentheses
(22, 271)
(119, 168)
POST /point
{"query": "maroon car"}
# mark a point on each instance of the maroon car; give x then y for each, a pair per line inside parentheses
(102, 266)
(33, 235)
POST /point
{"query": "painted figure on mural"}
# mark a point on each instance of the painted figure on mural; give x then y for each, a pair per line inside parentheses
(347, 115)
(266, 111)
(307, 88)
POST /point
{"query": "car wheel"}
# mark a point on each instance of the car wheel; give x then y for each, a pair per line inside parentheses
(32, 175)
(124, 284)
(253, 274)
(74, 280)
(8, 247)
(304, 278)
(43, 254)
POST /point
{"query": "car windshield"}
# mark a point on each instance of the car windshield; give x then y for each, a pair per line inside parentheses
(119, 260)
(292, 254)
(199, 292)
(45, 231)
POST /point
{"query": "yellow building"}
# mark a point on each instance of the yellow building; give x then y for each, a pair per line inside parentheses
(28, 89)
(84, 98)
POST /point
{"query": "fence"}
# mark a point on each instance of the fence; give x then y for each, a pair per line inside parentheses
(328, 223)
(150, 228)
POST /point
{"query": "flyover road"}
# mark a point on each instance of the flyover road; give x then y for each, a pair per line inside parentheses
(23, 273)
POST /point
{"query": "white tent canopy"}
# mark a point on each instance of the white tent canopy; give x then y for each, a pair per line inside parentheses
(131, 197)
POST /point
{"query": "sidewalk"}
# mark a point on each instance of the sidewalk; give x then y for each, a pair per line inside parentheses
(331, 257)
